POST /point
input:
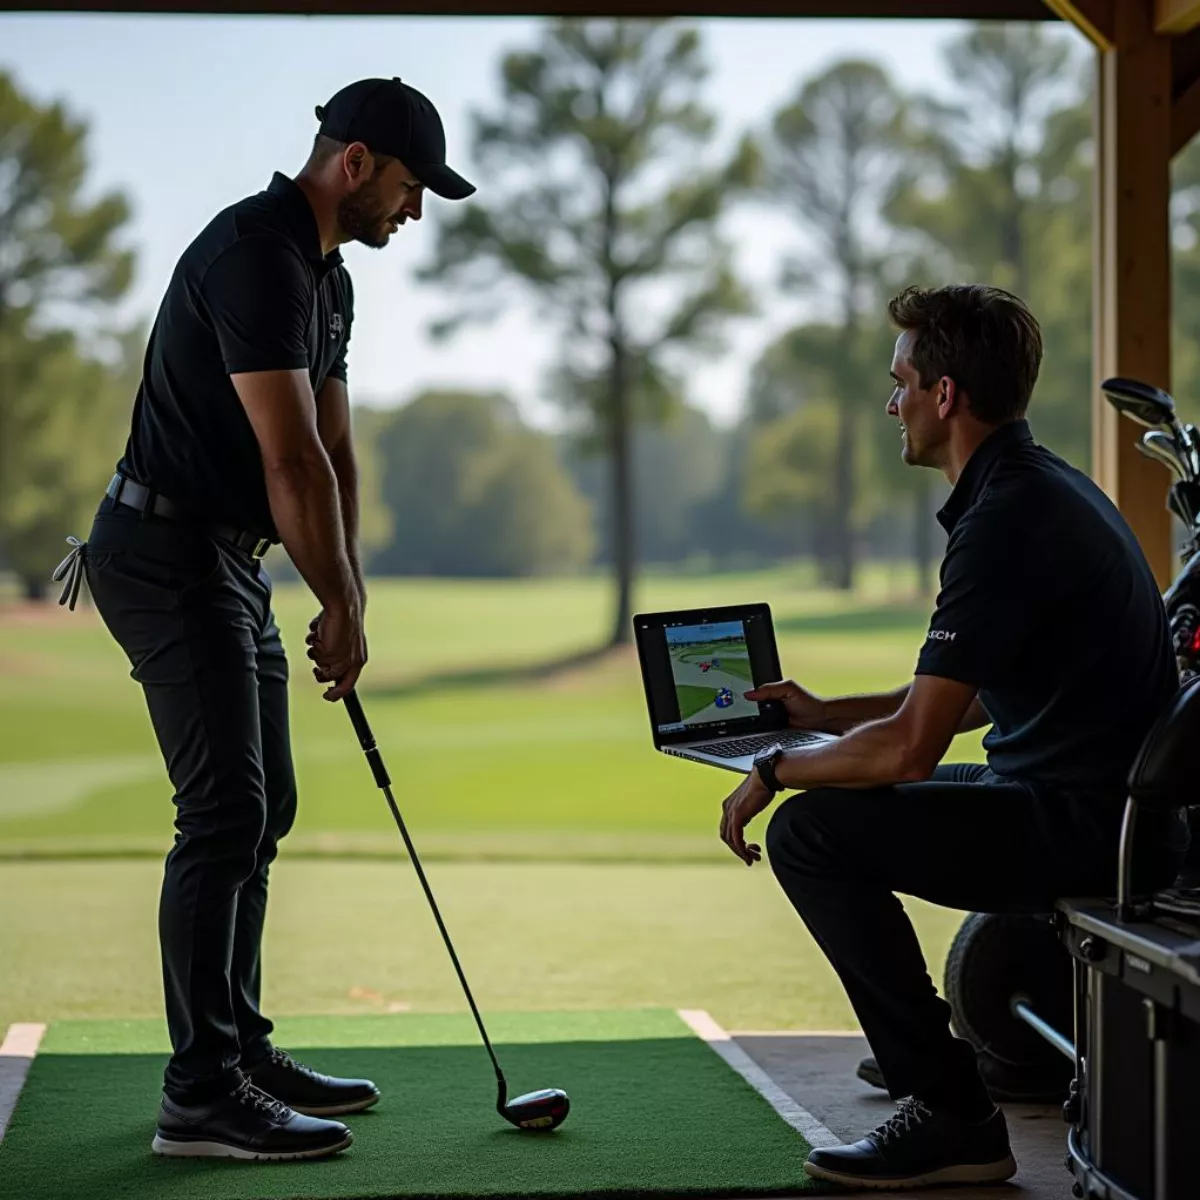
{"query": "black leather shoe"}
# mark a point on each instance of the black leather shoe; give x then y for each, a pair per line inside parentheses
(916, 1147)
(245, 1123)
(305, 1090)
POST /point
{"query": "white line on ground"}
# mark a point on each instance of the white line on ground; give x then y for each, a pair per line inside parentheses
(800, 1119)
(16, 1053)
(795, 1033)
(22, 1040)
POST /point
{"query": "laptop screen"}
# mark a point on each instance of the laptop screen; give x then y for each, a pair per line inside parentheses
(697, 664)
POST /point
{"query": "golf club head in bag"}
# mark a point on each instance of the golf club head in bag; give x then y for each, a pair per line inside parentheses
(1159, 445)
(1141, 402)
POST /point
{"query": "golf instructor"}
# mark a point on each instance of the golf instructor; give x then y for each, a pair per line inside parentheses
(240, 440)
(1049, 629)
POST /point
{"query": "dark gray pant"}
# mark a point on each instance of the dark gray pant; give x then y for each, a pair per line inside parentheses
(966, 839)
(193, 615)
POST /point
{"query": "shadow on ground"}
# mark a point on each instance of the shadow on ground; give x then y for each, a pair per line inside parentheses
(490, 676)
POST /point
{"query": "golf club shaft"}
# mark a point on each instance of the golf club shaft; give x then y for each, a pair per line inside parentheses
(366, 739)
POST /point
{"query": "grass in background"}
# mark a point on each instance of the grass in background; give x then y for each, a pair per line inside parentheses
(503, 760)
(518, 766)
(352, 936)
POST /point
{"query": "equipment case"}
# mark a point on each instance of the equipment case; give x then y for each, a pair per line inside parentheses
(1135, 1106)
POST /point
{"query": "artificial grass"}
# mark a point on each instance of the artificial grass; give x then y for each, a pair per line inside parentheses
(654, 1110)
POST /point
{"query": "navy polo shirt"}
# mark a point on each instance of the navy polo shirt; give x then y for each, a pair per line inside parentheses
(253, 292)
(1048, 606)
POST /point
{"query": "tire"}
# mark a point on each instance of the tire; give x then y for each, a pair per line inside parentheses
(993, 957)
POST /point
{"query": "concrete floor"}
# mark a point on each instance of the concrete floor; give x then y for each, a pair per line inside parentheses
(817, 1071)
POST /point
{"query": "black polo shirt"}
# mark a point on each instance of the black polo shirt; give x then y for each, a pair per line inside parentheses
(252, 293)
(1049, 607)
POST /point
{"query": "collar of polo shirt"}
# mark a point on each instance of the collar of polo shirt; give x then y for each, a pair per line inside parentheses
(979, 467)
(303, 221)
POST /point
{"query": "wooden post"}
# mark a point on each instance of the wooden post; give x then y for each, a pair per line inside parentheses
(1132, 306)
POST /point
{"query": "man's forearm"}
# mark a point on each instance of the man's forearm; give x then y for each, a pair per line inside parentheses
(874, 754)
(846, 712)
(305, 505)
(345, 470)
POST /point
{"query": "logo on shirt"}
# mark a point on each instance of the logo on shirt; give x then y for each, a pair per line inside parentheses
(940, 635)
(336, 326)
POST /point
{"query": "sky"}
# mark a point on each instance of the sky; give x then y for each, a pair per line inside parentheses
(189, 114)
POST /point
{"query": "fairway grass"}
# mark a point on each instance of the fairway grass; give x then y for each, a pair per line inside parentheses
(558, 765)
(79, 939)
(578, 869)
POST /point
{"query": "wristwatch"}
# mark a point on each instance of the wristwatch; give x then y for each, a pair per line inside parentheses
(764, 766)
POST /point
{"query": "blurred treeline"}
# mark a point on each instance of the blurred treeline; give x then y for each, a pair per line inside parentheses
(609, 185)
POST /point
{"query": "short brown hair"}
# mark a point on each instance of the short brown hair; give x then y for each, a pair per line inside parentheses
(983, 338)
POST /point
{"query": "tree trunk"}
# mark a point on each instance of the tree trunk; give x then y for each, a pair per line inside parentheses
(842, 525)
(922, 539)
(620, 456)
(34, 588)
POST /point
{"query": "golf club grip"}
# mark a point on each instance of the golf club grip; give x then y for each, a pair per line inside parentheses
(366, 739)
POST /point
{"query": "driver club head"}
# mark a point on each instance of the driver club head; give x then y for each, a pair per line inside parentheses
(539, 1111)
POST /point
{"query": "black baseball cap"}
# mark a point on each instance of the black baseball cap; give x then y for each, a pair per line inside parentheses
(389, 117)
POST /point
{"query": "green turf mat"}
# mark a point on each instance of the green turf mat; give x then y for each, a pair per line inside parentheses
(653, 1110)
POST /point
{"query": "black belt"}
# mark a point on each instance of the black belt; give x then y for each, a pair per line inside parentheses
(135, 495)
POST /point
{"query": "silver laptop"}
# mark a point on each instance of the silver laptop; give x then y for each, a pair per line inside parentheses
(696, 665)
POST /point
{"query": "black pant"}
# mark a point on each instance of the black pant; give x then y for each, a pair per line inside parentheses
(193, 614)
(966, 839)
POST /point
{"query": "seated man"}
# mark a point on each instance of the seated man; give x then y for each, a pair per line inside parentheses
(1050, 629)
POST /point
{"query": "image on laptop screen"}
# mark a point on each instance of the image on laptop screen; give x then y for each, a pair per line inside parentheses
(710, 665)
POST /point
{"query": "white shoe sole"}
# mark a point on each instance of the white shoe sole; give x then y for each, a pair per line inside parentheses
(337, 1110)
(170, 1148)
(996, 1172)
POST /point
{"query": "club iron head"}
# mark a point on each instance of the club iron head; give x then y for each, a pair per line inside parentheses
(1163, 447)
(1191, 445)
(1180, 505)
(539, 1111)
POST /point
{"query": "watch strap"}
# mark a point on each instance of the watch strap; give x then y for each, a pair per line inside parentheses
(765, 766)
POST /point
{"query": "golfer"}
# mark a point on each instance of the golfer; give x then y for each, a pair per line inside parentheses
(1049, 630)
(241, 440)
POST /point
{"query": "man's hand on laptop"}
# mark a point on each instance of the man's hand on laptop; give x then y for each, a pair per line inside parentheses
(804, 710)
(739, 809)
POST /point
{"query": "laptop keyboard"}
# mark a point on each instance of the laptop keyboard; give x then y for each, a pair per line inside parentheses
(736, 747)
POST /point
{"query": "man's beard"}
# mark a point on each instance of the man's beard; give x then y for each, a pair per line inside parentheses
(363, 218)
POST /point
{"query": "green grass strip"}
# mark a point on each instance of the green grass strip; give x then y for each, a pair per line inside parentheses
(654, 1111)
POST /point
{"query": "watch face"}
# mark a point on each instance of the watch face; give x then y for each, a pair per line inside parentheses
(768, 752)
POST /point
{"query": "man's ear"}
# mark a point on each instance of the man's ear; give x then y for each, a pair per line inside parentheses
(356, 162)
(948, 396)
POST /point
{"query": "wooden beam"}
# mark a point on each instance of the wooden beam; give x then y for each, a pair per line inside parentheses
(985, 10)
(1185, 89)
(1093, 18)
(1185, 117)
(1132, 309)
(1176, 16)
